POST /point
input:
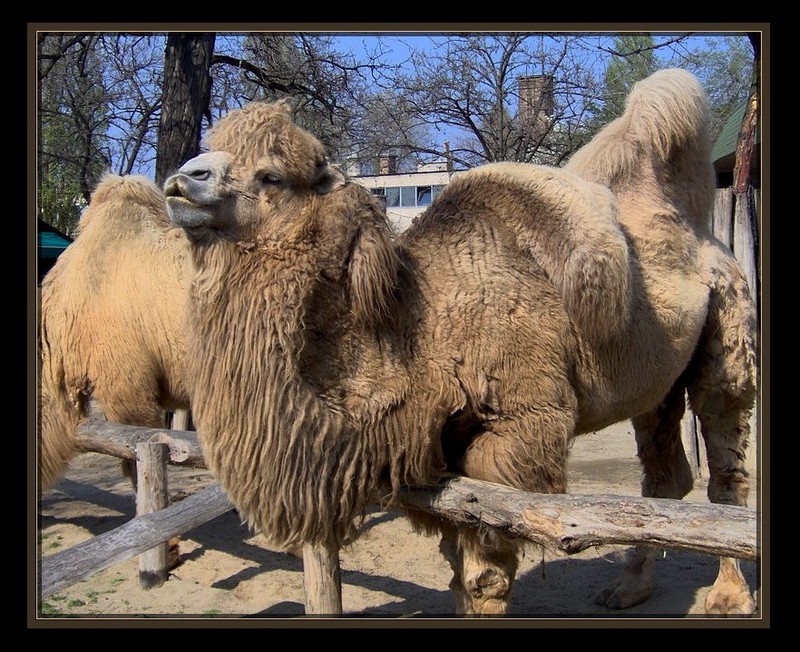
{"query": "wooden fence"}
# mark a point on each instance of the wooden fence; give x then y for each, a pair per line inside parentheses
(568, 523)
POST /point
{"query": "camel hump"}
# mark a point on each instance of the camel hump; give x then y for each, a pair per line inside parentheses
(569, 226)
(130, 189)
(665, 114)
(126, 203)
(667, 109)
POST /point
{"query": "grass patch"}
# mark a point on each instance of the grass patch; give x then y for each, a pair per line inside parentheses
(48, 608)
(52, 544)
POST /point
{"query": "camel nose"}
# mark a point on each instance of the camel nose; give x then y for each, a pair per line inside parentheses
(207, 167)
(200, 180)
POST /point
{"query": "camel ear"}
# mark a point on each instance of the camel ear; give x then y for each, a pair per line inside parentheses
(373, 269)
(327, 178)
(285, 105)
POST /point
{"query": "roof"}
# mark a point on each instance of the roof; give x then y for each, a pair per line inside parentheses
(51, 241)
(724, 151)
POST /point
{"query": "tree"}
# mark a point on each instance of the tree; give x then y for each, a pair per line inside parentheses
(185, 99)
(468, 86)
(632, 59)
(99, 98)
(505, 97)
(73, 120)
(747, 133)
(138, 103)
(335, 96)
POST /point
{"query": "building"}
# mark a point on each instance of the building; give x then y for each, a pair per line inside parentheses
(536, 105)
(407, 194)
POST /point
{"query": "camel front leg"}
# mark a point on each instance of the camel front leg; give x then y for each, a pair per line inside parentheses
(484, 567)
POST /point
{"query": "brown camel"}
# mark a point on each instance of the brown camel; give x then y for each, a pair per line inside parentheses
(526, 306)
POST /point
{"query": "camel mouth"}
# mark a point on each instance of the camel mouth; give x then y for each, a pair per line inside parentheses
(185, 213)
(189, 202)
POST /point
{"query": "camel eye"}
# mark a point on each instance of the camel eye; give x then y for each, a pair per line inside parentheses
(269, 178)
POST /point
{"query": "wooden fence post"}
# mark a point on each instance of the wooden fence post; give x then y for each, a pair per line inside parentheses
(695, 453)
(180, 420)
(152, 496)
(322, 581)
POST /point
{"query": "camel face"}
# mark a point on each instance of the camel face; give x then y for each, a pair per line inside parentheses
(258, 191)
(196, 191)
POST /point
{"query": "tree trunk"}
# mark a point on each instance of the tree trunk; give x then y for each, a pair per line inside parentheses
(185, 99)
(746, 141)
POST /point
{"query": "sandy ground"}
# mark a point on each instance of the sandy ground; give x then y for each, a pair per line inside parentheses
(389, 574)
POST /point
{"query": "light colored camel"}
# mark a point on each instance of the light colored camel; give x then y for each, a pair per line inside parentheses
(112, 327)
(478, 342)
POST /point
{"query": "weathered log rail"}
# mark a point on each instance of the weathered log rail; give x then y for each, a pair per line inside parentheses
(565, 523)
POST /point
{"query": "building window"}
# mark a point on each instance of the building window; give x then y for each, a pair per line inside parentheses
(392, 197)
(407, 196)
(380, 194)
(423, 195)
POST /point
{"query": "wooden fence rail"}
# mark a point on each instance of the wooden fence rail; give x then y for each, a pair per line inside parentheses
(567, 523)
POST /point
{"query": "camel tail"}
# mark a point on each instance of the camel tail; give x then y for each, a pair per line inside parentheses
(59, 415)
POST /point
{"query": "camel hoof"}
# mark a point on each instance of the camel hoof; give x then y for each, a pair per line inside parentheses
(729, 602)
(489, 593)
(174, 558)
(623, 595)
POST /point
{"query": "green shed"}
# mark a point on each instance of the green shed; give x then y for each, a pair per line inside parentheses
(723, 154)
(51, 243)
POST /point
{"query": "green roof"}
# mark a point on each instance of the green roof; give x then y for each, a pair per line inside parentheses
(726, 142)
(51, 244)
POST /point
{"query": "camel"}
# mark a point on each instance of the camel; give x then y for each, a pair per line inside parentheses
(111, 321)
(332, 360)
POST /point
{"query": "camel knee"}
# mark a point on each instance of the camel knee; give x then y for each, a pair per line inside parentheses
(728, 486)
(726, 443)
(488, 590)
(488, 568)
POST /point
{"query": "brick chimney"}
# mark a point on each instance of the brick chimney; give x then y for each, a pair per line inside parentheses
(536, 98)
(387, 164)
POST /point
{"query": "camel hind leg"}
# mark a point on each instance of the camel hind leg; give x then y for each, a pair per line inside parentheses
(667, 474)
(722, 393)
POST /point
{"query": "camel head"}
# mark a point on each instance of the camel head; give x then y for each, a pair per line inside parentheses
(266, 185)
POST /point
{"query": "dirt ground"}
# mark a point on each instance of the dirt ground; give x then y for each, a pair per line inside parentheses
(389, 574)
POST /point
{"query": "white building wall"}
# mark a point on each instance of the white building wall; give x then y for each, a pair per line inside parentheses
(400, 217)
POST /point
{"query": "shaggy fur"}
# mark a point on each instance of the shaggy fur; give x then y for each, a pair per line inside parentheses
(343, 358)
(112, 314)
